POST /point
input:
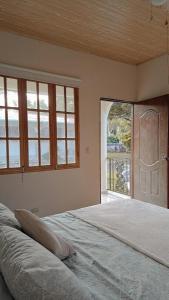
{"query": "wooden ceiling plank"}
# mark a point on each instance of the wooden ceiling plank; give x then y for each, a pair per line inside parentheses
(118, 29)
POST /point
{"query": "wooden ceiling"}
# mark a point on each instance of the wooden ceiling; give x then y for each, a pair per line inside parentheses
(115, 29)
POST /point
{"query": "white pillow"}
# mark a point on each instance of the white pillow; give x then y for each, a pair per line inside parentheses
(7, 217)
(32, 272)
(41, 232)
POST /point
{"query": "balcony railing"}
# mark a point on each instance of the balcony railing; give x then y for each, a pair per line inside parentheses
(118, 175)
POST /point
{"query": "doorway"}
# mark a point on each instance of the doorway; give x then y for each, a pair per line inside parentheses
(135, 150)
(116, 146)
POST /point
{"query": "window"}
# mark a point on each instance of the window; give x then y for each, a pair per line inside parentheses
(38, 119)
(10, 137)
(38, 126)
(66, 121)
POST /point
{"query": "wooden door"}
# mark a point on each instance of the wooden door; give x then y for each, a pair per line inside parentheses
(150, 151)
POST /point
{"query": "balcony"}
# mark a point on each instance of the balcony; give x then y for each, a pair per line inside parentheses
(116, 129)
(118, 174)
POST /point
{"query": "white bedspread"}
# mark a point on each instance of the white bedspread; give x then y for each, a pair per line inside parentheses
(143, 226)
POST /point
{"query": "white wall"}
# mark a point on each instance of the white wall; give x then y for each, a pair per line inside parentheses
(105, 108)
(58, 191)
(153, 78)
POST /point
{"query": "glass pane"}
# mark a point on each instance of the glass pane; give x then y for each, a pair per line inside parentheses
(32, 124)
(33, 153)
(14, 154)
(60, 125)
(70, 107)
(43, 96)
(45, 153)
(2, 123)
(13, 123)
(12, 92)
(60, 102)
(44, 125)
(3, 162)
(2, 95)
(71, 152)
(71, 126)
(31, 94)
(61, 152)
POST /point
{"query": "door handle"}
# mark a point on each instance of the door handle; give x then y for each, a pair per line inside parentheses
(166, 158)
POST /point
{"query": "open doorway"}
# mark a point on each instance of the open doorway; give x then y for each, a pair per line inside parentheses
(116, 146)
(135, 150)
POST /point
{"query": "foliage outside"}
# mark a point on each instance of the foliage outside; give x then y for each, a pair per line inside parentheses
(119, 125)
(119, 147)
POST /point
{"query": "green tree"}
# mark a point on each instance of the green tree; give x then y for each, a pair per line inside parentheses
(112, 139)
(119, 123)
(120, 110)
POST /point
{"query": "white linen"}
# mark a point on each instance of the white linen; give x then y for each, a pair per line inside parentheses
(143, 226)
(40, 232)
(31, 272)
(108, 267)
(7, 217)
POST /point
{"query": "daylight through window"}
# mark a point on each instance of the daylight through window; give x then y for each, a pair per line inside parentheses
(38, 126)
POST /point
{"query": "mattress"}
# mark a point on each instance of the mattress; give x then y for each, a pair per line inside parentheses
(121, 250)
(108, 266)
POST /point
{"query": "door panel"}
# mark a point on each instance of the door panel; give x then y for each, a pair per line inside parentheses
(150, 138)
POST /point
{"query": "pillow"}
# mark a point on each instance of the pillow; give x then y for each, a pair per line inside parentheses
(41, 232)
(7, 217)
(32, 272)
(4, 292)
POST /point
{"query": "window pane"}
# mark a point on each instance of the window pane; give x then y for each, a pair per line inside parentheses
(33, 153)
(2, 95)
(60, 125)
(71, 151)
(32, 124)
(45, 153)
(70, 126)
(60, 102)
(61, 153)
(44, 125)
(12, 92)
(14, 154)
(43, 96)
(3, 162)
(13, 123)
(2, 123)
(70, 100)
(31, 94)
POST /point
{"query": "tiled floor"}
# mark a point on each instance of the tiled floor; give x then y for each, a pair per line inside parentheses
(111, 196)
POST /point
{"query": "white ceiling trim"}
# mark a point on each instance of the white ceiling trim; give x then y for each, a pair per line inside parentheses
(30, 74)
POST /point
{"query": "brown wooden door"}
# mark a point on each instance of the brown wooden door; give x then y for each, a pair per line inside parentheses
(150, 151)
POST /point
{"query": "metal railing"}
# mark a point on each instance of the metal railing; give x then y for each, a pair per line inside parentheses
(118, 175)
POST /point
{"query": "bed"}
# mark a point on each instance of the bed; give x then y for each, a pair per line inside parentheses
(122, 249)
